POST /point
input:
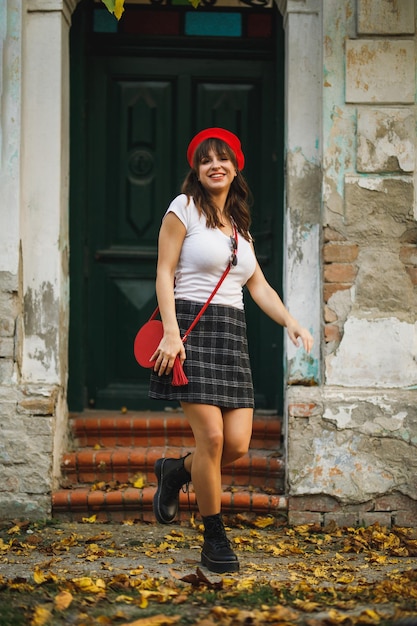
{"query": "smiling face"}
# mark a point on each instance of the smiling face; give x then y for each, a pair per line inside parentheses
(216, 173)
(215, 166)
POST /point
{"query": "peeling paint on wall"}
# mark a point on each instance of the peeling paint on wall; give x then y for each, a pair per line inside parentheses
(380, 71)
(356, 451)
(374, 353)
(41, 319)
(385, 140)
(302, 245)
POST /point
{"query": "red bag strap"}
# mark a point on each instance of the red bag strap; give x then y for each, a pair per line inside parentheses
(213, 293)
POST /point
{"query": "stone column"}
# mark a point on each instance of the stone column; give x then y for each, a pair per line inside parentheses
(40, 245)
(302, 264)
(302, 274)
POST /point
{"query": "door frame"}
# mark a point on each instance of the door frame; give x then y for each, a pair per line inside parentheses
(301, 268)
(77, 397)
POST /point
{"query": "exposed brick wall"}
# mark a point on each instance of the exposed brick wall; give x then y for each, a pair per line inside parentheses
(393, 509)
(339, 273)
(408, 253)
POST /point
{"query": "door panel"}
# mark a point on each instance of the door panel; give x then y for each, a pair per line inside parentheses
(142, 113)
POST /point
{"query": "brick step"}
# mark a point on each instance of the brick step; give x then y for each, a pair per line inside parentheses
(110, 449)
(259, 468)
(136, 504)
(147, 429)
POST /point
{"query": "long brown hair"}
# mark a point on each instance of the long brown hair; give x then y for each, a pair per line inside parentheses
(238, 199)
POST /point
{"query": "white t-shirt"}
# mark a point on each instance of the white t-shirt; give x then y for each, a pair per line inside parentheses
(204, 256)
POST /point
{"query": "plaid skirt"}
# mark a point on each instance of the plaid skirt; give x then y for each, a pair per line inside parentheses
(217, 364)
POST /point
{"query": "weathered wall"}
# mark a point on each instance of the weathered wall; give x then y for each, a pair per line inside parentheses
(33, 251)
(353, 439)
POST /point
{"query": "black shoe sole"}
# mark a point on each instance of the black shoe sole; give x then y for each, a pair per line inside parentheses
(219, 567)
(158, 471)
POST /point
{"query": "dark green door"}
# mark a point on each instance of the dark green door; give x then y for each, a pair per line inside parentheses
(141, 113)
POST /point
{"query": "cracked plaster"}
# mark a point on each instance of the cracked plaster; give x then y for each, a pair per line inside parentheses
(374, 353)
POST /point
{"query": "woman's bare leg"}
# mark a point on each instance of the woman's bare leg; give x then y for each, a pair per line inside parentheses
(237, 432)
(222, 436)
(204, 464)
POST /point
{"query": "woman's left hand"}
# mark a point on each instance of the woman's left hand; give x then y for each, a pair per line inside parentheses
(296, 332)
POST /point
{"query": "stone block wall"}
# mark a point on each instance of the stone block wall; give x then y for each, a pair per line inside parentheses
(33, 253)
(352, 456)
(352, 440)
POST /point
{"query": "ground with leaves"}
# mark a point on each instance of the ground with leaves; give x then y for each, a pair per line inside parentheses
(149, 575)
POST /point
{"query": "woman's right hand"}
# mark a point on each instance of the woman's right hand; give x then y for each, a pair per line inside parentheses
(164, 356)
(171, 238)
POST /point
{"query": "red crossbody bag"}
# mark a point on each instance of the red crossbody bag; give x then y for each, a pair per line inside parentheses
(150, 334)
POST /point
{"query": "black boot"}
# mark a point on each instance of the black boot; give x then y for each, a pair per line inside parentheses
(171, 475)
(217, 555)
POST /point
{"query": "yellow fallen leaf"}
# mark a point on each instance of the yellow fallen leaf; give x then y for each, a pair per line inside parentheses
(137, 571)
(303, 528)
(264, 522)
(100, 486)
(175, 535)
(139, 482)
(154, 620)
(378, 558)
(368, 617)
(143, 604)
(89, 520)
(63, 600)
(41, 577)
(308, 606)
(244, 583)
(346, 579)
(125, 599)
(281, 613)
(41, 616)
(320, 572)
(258, 567)
(87, 584)
(335, 617)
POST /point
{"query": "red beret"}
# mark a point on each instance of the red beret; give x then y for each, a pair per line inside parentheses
(217, 133)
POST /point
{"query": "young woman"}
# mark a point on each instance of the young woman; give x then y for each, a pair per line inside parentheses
(204, 229)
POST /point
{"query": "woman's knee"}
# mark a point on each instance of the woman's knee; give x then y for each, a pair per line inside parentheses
(211, 443)
(234, 450)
